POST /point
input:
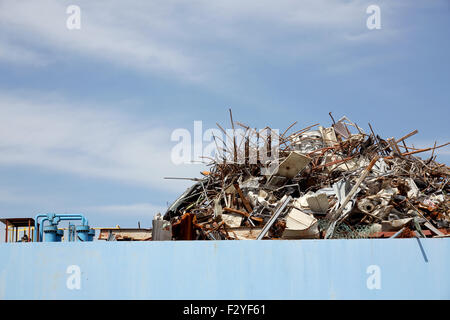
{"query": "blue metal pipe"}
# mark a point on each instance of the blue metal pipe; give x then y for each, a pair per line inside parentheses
(84, 220)
(36, 218)
(55, 218)
(41, 229)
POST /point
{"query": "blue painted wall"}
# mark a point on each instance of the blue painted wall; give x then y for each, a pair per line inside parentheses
(298, 269)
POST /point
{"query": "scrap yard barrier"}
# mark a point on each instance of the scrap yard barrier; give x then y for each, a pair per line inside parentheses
(290, 269)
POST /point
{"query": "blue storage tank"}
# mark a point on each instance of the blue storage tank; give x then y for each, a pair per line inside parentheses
(83, 232)
(51, 233)
(91, 235)
(59, 235)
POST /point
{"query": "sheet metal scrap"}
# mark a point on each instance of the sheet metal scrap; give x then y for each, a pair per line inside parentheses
(331, 182)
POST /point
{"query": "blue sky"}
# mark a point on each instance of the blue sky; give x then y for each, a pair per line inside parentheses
(86, 115)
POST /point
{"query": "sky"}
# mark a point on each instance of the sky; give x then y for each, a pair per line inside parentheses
(87, 115)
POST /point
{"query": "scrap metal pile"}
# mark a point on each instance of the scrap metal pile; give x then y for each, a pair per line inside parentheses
(330, 182)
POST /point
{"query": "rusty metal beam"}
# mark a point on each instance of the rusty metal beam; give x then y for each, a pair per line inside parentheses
(247, 205)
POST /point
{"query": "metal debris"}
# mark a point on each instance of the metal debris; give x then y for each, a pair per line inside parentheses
(334, 182)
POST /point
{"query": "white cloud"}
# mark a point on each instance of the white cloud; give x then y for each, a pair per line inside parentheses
(10, 196)
(88, 141)
(19, 55)
(192, 41)
(43, 24)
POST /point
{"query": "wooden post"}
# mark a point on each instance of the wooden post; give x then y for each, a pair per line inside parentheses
(6, 233)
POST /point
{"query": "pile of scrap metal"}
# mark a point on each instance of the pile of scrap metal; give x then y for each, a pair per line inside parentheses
(329, 183)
